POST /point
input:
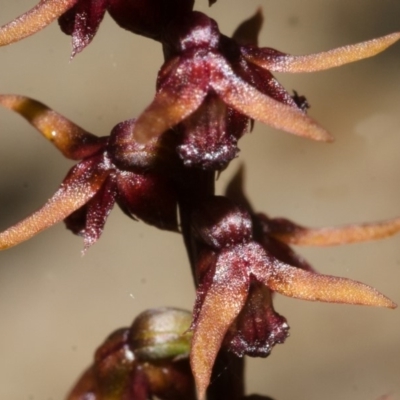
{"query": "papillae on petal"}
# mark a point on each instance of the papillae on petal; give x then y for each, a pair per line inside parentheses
(34, 20)
(82, 22)
(305, 285)
(258, 328)
(97, 211)
(179, 96)
(222, 303)
(291, 233)
(80, 185)
(249, 101)
(276, 61)
(73, 141)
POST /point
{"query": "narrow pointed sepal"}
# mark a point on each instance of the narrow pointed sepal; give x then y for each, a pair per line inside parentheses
(291, 233)
(304, 285)
(276, 61)
(34, 20)
(247, 32)
(89, 220)
(179, 96)
(73, 141)
(222, 303)
(82, 22)
(80, 185)
(249, 101)
(235, 189)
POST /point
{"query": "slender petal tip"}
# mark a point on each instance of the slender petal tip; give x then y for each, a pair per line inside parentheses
(223, 302)
(305, 285)
(76, 190)
(73, 141)
(34, 20)
(290, 233)
(280, 62)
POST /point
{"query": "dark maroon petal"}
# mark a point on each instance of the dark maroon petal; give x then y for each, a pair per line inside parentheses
(237, 123)
(149, 197)
(97, 211)
(210, 135)
(82, 182)
(82, 22)
(258, 327)
(76, 222)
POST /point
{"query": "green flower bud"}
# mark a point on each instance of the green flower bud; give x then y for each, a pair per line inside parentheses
(161, 333)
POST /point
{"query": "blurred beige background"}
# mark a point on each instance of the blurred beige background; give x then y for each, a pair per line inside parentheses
(57, 307)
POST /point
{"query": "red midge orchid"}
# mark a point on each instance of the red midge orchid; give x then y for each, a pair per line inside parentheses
(238, 267)
(212, 86)
(89, 191)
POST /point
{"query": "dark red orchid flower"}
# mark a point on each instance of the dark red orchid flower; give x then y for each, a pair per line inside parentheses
(81, 18)
(145, 361)
(238, 268)
(211, 86)
(90, 189)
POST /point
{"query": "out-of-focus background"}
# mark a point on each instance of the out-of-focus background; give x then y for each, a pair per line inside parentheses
(56, 306)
